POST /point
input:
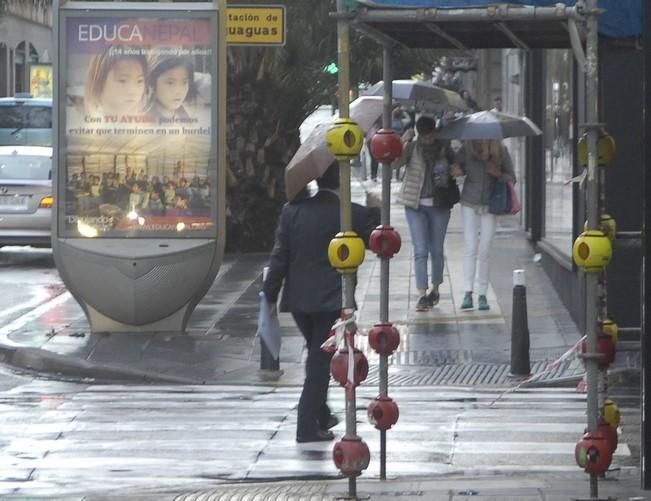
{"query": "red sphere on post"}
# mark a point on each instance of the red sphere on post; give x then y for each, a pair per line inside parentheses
(339, 367)
(383, 413)
(385, 241)
(593, 453)
(351, 456)
(605, 347)
(384, 338)
(386, 145)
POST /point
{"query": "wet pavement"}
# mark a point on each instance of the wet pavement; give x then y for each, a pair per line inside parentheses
(220, 343)
(465, 430)
(88, 441)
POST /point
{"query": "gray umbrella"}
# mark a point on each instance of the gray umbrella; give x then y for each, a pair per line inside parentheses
(313, 156)
(422, 94)
(489, 125)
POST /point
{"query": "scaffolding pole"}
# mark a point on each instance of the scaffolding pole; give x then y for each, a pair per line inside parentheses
(346, 216)
(592, 213)
(385, 220)
(493, 13)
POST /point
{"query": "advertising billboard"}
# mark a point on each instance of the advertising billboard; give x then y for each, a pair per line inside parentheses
(139, 150)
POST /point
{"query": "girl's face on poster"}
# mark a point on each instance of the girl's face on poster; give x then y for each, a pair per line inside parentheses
(172, 87)
(124, 88)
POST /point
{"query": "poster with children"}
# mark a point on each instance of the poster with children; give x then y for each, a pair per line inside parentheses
(139, 127)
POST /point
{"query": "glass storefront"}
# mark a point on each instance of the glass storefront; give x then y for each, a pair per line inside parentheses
(559, 150)
(513, 102)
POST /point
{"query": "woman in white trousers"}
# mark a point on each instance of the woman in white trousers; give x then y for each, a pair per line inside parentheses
(483, 163)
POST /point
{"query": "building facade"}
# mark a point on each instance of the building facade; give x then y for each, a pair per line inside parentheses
(25, 39)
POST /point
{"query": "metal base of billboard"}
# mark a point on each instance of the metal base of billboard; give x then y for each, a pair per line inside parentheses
(136, 288)
(174, 323)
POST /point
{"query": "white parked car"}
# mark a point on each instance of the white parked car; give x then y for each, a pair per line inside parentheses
(25, 195)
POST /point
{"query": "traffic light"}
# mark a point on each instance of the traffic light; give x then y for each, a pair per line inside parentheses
(331, 68)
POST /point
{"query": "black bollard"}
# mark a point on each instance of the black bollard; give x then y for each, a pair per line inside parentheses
(520, 365)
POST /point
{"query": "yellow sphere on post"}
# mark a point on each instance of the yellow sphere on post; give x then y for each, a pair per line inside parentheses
(592, 250)
(605, 149)
(345, 139)
(611, 413)
(607, 224)
(610, 329)
(346, 251)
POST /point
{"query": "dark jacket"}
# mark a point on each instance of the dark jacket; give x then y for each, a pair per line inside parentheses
(300, 253)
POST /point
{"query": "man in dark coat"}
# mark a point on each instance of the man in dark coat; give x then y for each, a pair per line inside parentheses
(312, 289)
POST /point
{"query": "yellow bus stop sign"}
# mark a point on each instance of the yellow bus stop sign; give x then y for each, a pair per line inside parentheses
(255, 25)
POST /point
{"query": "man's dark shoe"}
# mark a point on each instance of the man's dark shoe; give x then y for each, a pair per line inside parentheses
(434, 298)
(424, 303)
(332, 422)
(319, 436)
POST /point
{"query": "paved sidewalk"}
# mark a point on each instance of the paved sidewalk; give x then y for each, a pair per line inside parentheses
(524, 487)
(444, 346)
(220, 345)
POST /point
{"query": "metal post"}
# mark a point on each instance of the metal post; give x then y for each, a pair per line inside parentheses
(592, 212)
(385, 219)
(348, 279)
(645, 354)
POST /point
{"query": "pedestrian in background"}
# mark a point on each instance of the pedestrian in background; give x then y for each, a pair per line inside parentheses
(497, 104)
(311, 289)
(482, 162)
(428, 193)
(398, 124)
(470, 102)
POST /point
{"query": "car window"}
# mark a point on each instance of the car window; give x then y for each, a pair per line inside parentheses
(25, 167)
(11, 117)
(25, 117)
(38, 117)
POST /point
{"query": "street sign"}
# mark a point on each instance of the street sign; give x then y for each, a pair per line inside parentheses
(255, 25)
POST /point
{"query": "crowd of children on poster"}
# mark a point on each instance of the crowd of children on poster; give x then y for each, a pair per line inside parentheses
(138, 128)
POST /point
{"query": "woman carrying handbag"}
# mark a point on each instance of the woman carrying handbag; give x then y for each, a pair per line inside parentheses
(428, 193)
(484, 163)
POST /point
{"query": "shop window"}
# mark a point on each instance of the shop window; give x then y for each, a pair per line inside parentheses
(559, 150)
(33, 54)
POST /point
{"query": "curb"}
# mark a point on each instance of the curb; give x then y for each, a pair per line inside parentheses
(44, 361)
